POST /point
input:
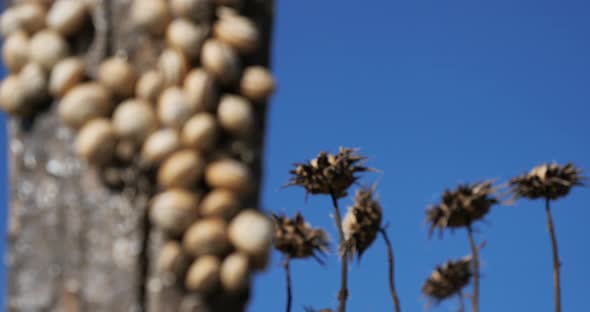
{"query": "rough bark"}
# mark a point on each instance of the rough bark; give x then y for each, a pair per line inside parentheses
(75, 244)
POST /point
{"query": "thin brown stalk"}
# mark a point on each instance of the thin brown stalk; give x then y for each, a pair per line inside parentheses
(556, 263)
(343, 293)
(288, 282)
(461, 303)
(475, 260)
(390, 263)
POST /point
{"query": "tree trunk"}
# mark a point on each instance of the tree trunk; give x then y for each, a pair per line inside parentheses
(75, 244)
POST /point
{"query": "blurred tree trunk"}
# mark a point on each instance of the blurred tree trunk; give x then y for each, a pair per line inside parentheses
(74, 244)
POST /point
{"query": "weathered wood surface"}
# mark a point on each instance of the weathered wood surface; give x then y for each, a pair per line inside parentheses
(74, 244)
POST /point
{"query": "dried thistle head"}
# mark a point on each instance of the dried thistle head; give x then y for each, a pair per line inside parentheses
(462, 206)
(297, 239)
(448, 279)
(361, 223)
(329, 173)
(550, 181)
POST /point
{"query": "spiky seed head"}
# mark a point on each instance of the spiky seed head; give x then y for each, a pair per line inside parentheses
(297, 239)
(448, 279)
(329, 173)
(550, 181)
(361, 223)
(462, 206)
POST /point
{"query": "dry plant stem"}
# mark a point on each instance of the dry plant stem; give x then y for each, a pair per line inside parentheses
(288, 281)
(475, 255)
(343, 293)
(556, 264)
(461, 303)
(390, 263)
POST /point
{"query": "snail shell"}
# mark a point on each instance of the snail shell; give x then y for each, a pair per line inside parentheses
(203, 275)
(229, 174)
(220, 60)
(235, 272)
(186, 36)
(251, 232)
(220, 203)
(65, 75)
(47, 48)
(150, 15)
(84, 102)
(15, 52)
(173, 65)
(200, 90)
(159, 145)
(118, 75)
(67, 16)
(34, 82)
(134, 120)
(200, 132)
(171, 259)
(173, 108)
(237, 31)
(257, 83)
(206, 237)
(236, 115)
(96, 141)
(12, 96)
(174, 210)
(27, 16)
(182, 169)
(150, 86)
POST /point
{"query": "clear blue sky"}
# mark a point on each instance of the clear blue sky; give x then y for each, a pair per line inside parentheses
(435, 93)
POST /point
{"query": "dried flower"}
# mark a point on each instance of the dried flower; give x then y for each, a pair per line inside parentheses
(329, 174)
(448, 279)
(550, 181)
(297, 239)
(361, 223)
(462, 206)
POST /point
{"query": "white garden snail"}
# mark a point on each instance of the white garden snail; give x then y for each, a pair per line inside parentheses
(220, 60)
(66, 16)
(150, 15)
(236, 115)
(203, 275)
(206, 237)
(200, 132)
(235, 272)
(15, 51)
(230, 175)
(200, 90)
(182, 169)
(118, 75)
(159, 145)
(96, 141)
(66, 74)
(186, 36)
(47, 48)
(134, 120)
(174, 210)
(84, 102)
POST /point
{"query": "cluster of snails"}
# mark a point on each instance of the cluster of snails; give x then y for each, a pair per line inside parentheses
(181, 119)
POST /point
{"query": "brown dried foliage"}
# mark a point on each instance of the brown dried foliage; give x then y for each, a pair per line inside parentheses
(297, 239)
(361, 223)
(328, 173)
(462, 206)
(448, 279)
(550, 181)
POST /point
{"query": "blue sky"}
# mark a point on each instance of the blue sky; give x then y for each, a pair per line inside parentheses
(435, 93)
